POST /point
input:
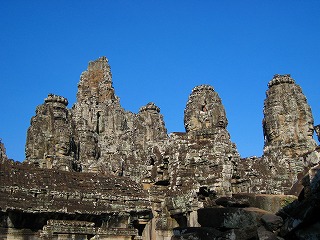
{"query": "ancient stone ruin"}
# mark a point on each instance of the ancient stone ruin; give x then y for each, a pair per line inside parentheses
(97, 171)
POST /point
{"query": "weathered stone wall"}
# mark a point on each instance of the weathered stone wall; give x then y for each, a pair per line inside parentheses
(98, 135)
(51, 202)
(120, 174)
(111, 139)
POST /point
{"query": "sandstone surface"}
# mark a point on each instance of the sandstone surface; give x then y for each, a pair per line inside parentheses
(97, 171)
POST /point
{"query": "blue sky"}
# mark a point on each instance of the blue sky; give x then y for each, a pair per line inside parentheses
(158, 51)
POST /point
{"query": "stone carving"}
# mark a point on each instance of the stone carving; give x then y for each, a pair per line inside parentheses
(204, 111)
(288, 130)
(99, 171)
(95, 84)
(49, 138)
(288, 122)
(97, 134)
(206, 149)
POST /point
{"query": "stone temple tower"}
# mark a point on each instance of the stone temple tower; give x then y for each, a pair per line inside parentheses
(111, 139)
(96, 83)
(97, 134)
(288, 122)
(288, 132)
(49, 138)
(205, 115)
(205, 123)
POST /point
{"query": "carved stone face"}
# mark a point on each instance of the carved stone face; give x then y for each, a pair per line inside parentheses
(287, 117)
(59, 112)
(310, 130)
(221, 119)
(204, 110)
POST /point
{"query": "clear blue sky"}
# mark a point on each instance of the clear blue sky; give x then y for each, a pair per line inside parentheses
(158, 51)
